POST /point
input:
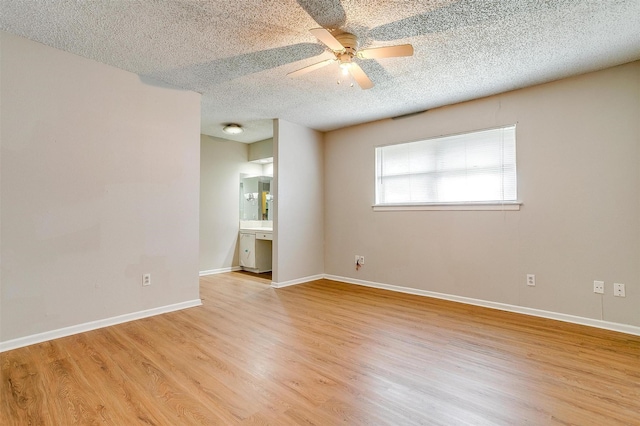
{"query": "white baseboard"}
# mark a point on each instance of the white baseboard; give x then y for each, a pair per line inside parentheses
(93, 325)
(220, 271)
(622, 328)
(297, 281)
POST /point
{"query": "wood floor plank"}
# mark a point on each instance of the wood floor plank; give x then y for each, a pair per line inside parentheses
(326, 353)
(200, 373)
(22, 393)
(98, 364)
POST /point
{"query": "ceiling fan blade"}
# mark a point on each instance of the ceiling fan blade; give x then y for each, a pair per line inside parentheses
(386, 52)
(310, 68)
(360, 77)
(327, 38)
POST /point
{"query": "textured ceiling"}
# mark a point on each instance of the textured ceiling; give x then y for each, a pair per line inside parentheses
(237, 53)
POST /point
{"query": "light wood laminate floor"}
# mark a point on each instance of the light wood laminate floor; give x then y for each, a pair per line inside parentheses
(325, 353)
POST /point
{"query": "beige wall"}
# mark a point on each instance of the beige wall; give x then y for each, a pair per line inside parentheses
(299, 203)
(578, 148)
(221, 163)
(261, 149)
(99, 185)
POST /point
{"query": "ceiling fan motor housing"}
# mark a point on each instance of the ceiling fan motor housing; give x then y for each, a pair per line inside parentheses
(349, 41)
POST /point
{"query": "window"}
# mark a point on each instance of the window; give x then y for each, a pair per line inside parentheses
(471, 168)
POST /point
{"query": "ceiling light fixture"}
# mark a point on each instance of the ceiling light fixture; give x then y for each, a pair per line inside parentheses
(346, 78)
(233, 129)
(345, 67)
(345, 62)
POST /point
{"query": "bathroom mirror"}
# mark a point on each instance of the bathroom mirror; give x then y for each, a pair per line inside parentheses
(256, 200)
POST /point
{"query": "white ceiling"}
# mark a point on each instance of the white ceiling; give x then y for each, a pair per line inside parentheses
(237, 53)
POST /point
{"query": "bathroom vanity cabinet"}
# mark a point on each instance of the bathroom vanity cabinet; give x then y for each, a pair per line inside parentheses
(255, 250)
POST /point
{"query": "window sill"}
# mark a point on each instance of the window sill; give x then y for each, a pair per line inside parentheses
(505, 206)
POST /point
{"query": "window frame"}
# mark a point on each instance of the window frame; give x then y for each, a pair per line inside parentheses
(510, 205)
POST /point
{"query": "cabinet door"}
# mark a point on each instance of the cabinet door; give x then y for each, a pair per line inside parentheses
(248, 250)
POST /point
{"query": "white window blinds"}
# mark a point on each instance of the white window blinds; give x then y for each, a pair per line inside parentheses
(468, 168)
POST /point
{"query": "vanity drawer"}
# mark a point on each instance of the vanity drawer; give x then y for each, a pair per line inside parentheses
(264, 236)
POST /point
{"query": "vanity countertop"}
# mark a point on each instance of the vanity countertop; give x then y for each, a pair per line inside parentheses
(260, 229)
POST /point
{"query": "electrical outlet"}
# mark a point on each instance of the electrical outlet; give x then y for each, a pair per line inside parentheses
(598, 287)
(361, 260)
(618, 290)
(146, 279)
(357, 259)
(531, 280)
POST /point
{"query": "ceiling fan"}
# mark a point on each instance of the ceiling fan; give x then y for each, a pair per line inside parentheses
(345, 49)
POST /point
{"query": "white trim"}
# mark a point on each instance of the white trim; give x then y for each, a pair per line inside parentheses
(93, 325)
(297, 281)
(622, 328)
(220, 271)
(499, 206)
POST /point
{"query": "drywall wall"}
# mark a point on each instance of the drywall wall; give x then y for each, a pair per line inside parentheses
(221, 163)
(1, 133)
(578, 151)
(100, 184)
(298, 250)
(261, 149)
